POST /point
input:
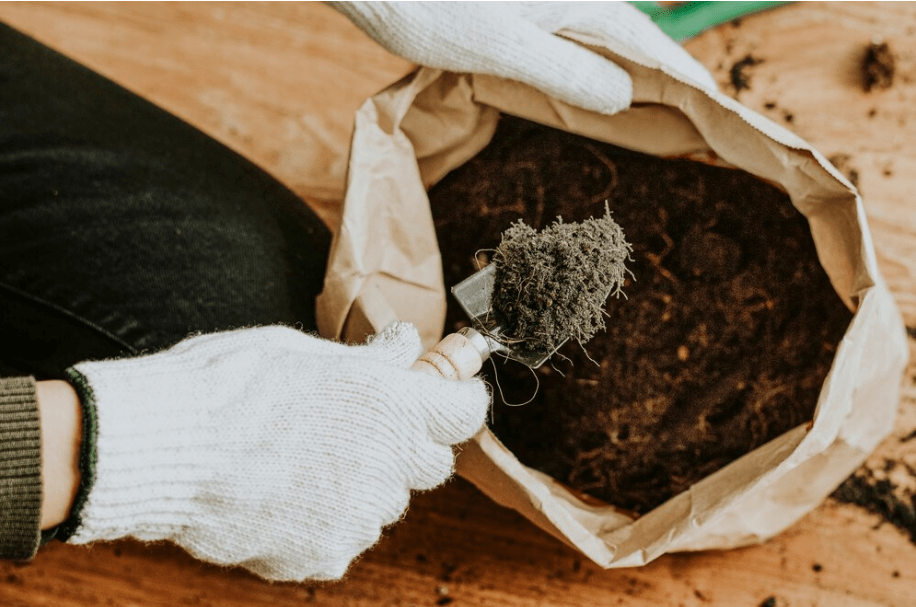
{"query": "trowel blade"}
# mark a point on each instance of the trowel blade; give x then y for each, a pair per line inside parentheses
(474, 295)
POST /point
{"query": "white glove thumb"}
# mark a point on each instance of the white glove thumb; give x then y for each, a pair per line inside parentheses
(397, 344)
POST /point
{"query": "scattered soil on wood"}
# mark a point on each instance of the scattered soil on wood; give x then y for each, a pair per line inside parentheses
(722, 341)
(740, 78)
(844, 163)
(885, 484)
(878, 67)
(880, 495)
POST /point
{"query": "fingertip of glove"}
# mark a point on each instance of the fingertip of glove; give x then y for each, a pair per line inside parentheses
(399, 343)
(590, 81)
(607, 100)
(437, 467)
(399, 329)
(461, 412)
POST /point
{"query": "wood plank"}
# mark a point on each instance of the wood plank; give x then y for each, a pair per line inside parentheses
(279, 83)
(455, 543)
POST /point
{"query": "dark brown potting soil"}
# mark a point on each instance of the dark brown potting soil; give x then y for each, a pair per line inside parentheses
(722, 340)
(894, 503)
(739, 75)
(878, 67)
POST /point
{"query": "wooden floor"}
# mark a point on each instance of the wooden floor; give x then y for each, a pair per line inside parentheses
(280, 82)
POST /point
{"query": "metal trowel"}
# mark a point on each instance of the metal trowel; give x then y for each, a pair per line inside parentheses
(460, 355)
(474, 295)
(553, 258)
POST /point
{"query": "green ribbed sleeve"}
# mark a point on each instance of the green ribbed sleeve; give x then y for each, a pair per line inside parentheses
(20, 469)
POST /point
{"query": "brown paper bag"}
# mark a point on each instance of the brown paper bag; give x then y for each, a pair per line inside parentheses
(385, 265)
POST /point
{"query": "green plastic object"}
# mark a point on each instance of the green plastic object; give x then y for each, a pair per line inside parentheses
(687, 19)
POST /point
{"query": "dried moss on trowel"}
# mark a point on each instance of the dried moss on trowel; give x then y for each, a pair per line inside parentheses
(551, 285)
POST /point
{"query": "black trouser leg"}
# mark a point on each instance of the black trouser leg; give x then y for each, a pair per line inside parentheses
(124, 229)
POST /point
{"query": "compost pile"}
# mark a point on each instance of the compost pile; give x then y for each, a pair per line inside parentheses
(720, 343)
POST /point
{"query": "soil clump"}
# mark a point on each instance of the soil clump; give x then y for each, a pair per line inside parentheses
(740, 78)
(844, 164)
(551, 285)
(878, 67)
(881, 496)
(727, 330)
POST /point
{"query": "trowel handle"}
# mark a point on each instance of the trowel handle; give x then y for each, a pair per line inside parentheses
(458, 356)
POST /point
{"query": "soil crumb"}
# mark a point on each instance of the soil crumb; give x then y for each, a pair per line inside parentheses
(722, 343)
(550, 286)
(843, 163)
(880, 495)
(740, 78)
(878, 67)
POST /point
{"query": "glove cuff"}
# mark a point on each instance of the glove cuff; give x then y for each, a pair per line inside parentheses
(138, 478)
(87, 458)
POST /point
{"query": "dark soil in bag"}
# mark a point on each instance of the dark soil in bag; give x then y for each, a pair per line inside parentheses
(720, 342)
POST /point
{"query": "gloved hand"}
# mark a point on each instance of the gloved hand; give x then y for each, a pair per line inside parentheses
(268, 448)
(515, 40)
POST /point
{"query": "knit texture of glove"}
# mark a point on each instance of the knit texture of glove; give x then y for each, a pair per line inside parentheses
(515, 40)
(268, 448)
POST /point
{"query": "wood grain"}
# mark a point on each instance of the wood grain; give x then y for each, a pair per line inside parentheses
(454, 543)
(279, 83)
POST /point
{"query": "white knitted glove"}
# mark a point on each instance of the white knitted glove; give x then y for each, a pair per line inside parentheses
(515, 40)
(268, 448)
